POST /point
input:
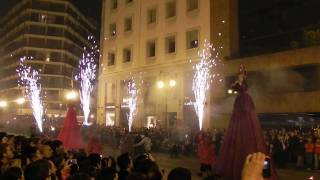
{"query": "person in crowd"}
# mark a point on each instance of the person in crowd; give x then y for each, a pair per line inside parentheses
(125, 164)
(109, 162)
(33, 154)
(309, 153)
(145, 143)
(317, 154)
(46, 151)
(6, 157)
(38, 170)
(126, 143)
(179, 173)
(206, 154)
(13, 173)
(107, 174)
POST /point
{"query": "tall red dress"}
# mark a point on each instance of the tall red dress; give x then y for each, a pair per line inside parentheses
(70, 133)
(243, 136)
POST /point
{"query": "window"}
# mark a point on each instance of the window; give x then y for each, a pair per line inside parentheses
(113, 29)
(171, 9)
(114, 4)
(192, 5)
(171, 44)
(192, 39)
(43, 18)
(151, 48)
(127, 53)
(128, 24)
(129, 1)
(152, 16)
(111, 58)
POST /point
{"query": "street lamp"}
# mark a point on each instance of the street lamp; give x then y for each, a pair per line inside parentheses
(20, 101)
(3, 104)
(172, 83)
(160, 84)
(71, 95)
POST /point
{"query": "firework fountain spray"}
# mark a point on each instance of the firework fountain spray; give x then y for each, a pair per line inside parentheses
(132, 101)
(29, 78)
(87, 76)
(134, 87)
(203, 77)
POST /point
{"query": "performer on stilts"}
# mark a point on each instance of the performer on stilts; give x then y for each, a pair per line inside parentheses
(244, 134)
(70, 133)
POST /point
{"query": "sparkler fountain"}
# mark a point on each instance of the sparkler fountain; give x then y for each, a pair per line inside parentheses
(29, 78)
(87, 76)
(132, 101)
(203, 76)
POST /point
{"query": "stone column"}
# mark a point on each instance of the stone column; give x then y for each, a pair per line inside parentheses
(118, 102)
(101, 113)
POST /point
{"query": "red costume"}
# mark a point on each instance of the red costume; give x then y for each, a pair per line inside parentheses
(70, 133)
(244, 135)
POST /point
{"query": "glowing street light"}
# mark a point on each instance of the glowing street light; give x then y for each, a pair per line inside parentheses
(20, 101)
(230, 91)
(3, 104)
(72, 95)
(160, 84)
(172, 83)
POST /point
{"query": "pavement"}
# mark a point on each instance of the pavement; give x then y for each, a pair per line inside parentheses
(166, 163)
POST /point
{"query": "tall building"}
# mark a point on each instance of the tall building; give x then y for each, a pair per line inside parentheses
(158, 38)
(53, 32)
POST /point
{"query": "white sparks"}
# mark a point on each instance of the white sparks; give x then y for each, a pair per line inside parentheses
(30, 79)
(132, 102)
(203, 76)
(87, 76)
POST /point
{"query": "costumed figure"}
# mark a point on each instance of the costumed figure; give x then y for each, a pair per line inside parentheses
(70, 133)
(244, 134)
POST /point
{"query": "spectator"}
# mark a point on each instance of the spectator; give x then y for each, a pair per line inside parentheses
(145, 142)
(13, 173)
(309, 149)
(38, 170)
(179, 173)
(125, 165)
(46, 151)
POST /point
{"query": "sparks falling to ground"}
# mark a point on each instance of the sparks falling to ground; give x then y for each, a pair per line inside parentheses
(29, 78)
(132, 101)
(87, 76)
(203, 76)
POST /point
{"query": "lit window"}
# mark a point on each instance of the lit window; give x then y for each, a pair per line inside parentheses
(192, 5)
(152, 16)
(192, 39)
(171, 44)
(171, 9)
(128, 24)
(127, 53)
(113, 29)
(43, 18)
(111, 58)
(151, 48)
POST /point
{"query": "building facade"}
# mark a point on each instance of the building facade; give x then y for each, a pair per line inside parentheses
(157, 40)
(54, 33)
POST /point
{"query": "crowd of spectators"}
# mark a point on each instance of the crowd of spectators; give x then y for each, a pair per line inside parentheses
(34, 158)
(288, 147)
